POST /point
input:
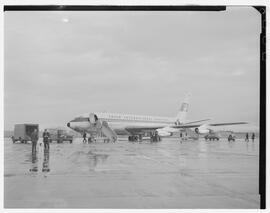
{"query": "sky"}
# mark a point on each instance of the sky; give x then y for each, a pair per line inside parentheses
(60, 64)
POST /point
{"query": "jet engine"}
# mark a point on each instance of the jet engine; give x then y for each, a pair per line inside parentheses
(203, 129)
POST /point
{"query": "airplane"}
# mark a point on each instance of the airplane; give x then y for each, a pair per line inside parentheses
(136, 126)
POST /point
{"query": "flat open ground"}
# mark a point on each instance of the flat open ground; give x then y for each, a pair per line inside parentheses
(167, 174)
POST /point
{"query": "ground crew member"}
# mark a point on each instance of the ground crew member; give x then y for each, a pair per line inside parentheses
(46, 136)
(247, 138)
(181, 137)
(84, 137)
(253, 137)
(34, 139)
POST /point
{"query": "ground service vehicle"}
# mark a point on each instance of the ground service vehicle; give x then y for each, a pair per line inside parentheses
(59, 136)
(211, 136)
(22, 132)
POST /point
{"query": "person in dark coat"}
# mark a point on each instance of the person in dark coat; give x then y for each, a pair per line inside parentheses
(46, 136)
(253, 137)
(247, 139)
(84, 137)
(34, 139)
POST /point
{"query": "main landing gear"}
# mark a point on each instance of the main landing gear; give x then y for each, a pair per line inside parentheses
(154, 137)
(135, 138)
(91, 140)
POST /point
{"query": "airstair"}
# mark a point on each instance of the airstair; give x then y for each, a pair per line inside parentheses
(102, 129)
(108, 132)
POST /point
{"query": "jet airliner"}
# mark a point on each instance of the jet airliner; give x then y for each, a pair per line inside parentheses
(112, 124)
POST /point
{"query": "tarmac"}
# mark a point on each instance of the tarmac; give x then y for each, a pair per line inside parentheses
(166, 174)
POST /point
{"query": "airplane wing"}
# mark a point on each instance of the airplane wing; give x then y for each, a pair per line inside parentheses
(184, 126)
(191, 122)
(152, 128)
(136, 129)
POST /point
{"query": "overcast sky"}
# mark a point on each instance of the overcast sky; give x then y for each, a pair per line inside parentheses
(62, 64)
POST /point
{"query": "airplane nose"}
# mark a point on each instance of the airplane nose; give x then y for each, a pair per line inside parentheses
(68, 124)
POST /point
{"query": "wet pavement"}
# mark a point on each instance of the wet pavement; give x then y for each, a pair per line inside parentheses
(168, 174)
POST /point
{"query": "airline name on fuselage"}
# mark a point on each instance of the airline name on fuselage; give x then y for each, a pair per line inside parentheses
(123, 117)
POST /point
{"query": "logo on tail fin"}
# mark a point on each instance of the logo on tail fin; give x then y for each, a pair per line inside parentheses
(184, 107)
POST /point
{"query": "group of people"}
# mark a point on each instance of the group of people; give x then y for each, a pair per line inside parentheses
(89, 140)
(183, 136)
(34, 139)
(252, 137)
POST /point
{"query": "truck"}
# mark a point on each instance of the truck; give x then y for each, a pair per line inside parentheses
(59, 135)
(211, 136)
(22, 132)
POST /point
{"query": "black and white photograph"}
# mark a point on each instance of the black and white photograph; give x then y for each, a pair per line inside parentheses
(125, 107)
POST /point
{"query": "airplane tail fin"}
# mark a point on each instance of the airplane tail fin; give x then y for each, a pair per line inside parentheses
(182, 113)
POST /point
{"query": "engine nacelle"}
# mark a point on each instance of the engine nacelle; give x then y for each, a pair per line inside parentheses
(202, 130)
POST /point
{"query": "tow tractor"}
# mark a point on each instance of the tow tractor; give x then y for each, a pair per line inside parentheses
(211, 136)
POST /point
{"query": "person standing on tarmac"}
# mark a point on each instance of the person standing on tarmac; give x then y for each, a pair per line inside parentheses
(84, 137)
(46, 136)
(247, 139)
(181, 137)
(34, 139)
(253, 137)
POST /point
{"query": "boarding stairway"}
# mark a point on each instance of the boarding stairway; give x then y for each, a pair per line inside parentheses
(103, 127)
(108, 132)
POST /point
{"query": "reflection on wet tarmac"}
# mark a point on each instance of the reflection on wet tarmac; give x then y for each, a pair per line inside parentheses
(168, 174)
(250, 146)
(86, 160)
(34, 161)
(96, 158)
(46, 158)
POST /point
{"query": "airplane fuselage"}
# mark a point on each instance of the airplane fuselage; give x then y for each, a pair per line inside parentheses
(120, 123)
(112, 124)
